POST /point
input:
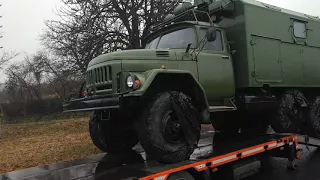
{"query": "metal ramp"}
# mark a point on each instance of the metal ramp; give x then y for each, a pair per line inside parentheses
(304, 139)
(308, 141)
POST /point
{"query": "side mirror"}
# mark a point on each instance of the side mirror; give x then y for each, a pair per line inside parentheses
(211, 34)
(229, 48)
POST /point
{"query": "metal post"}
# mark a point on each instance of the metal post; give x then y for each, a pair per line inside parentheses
(292, 155)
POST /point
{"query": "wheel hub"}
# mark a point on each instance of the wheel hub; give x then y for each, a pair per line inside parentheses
(172, 128)
(176, 127)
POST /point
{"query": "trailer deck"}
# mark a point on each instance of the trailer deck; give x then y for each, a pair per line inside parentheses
(206, 159)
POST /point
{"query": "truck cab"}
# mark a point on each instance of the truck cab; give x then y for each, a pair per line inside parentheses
(208, 61)
(176, 46)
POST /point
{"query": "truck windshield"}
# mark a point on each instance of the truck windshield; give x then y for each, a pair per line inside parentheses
(174, 40)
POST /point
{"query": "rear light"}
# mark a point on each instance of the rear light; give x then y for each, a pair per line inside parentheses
(215, 170)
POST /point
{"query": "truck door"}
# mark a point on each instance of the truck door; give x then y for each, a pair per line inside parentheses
(215, 69)
(267, 60)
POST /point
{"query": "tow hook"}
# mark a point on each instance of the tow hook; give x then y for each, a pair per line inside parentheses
(105, 115)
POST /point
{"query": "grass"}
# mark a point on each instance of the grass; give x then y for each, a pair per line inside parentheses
(50, 117)
(39, 143)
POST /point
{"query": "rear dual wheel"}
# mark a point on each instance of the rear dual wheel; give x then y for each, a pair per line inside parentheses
(289, 116)
(313, 124)
(295, 116)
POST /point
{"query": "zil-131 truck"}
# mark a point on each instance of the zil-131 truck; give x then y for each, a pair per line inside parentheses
(240, 65)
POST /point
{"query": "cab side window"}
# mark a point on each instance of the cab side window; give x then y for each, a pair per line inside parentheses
(214, 45)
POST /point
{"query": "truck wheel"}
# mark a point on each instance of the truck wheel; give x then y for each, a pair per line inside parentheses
(313, 126)
(169, 128)
(286, 119)
(113, 135)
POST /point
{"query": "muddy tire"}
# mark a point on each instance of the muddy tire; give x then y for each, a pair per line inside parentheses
(313, 126)
(288, 117)
(169, 127)
(112, 136)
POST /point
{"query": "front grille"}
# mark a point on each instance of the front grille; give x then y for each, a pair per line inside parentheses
(100, 78)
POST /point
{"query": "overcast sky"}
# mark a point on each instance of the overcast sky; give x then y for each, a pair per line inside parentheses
(23, 21)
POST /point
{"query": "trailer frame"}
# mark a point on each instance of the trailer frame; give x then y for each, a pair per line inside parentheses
(285, 145)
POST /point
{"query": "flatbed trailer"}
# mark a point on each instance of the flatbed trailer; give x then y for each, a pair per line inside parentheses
(210, 160)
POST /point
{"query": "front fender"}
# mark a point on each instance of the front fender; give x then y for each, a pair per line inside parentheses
(150, 84)
(148, 77)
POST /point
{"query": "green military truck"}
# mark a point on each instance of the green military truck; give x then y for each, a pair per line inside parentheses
(240, 65)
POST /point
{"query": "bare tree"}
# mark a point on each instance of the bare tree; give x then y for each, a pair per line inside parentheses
(7, 56)
(51, 75)
(25, 78)
(88, 28)
(36, 83)
(19, 84)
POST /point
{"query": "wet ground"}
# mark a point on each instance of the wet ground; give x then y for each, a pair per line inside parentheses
(104, 166)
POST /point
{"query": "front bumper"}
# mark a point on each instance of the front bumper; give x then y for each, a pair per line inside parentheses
(92, 103)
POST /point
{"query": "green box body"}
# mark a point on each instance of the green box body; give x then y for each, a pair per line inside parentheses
(267, 50)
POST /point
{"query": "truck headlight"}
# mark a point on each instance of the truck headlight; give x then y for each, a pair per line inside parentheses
(130, 81)
(133, 81)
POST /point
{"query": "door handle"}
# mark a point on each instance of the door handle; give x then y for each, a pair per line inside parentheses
(225, 57)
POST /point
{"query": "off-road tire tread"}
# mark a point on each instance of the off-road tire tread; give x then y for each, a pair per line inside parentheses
(164, 153)
(285, 120)
(313, 125)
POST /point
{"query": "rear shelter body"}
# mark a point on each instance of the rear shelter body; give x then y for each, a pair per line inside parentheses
(275, 62)
(274, 47)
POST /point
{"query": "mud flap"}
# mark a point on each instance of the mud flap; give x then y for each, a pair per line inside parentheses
(188, 118)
